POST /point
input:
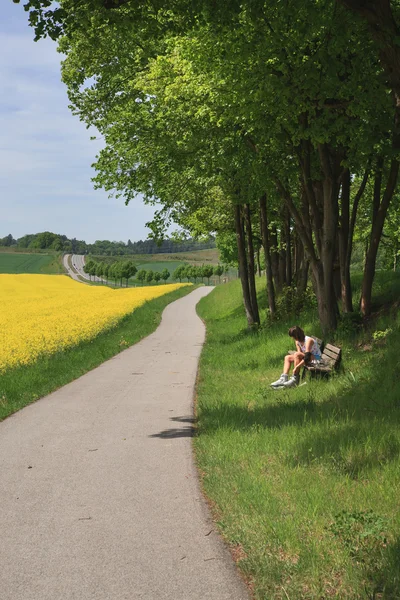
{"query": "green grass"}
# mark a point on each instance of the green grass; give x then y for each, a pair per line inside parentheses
(304, 483)
(30, 263)
(23, 385)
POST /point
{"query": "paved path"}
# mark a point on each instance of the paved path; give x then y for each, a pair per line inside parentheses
(99, 496)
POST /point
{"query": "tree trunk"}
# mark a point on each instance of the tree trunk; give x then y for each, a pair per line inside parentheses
(288, 274)
(258, 261)
(345, 283)
(380, 212)
(301, 266)
(327, 306)
(267, 253)
(244, 280)
(251, 264)
(302, 279)
(321, 251)
(330, 188)
(282, 255)
(275, 258)
(375, 238)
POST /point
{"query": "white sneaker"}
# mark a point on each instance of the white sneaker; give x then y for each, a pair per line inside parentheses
(280, 382)
(293, 382)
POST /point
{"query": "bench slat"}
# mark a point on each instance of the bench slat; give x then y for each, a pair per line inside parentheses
(334, 349)
(326, 356)
(324, 368)
(331, 354)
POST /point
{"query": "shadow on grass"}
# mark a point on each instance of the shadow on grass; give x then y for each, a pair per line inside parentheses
(352, 430)
(385, 576)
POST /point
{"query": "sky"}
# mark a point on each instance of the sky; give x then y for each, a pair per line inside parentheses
(46, 153)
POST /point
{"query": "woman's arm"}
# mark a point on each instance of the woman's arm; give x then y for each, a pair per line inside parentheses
(309, 344)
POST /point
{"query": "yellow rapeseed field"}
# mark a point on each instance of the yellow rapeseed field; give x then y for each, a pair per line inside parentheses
(42, 314)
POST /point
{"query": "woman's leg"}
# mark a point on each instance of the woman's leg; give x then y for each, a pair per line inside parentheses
(289, 359)
(298, 361)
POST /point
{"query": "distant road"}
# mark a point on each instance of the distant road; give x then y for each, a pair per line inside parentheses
(78, 262)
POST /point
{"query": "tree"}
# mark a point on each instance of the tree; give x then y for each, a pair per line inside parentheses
(132, 269)
(99, 270)
(149, 276)
(106, 271)
(7, 241)
(89, 267)
(207, 271)
(157, 276)
(117, 269)
(141, 276)
(179, 122)
(178, 273)
(165, 275)
(92, 269)
(128, 270)
(218, 271)
(187, 272)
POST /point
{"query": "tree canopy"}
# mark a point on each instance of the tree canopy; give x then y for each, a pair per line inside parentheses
(252, 120)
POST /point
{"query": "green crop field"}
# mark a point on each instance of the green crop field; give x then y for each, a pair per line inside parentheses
(159, 266)
(209, 256)
(30, 263)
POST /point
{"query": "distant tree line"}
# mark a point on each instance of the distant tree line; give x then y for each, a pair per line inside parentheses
(191, 272)
(61, 243)
(121, 271)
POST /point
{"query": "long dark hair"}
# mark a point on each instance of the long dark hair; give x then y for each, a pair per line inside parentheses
(297, 333)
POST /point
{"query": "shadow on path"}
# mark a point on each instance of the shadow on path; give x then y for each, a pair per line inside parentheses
(185, 431)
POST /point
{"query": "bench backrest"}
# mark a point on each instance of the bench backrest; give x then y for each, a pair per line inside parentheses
(319, 342)
(332, 356)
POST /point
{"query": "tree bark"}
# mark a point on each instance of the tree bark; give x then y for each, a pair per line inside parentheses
(303, 277)
(345, 283)
(301, 266)
(243, 274)
(288, 274)
(275, 258)
(251, 264)
(354, 216)
(267, 253)
(326, 194)
(282, 260)
(258, 261)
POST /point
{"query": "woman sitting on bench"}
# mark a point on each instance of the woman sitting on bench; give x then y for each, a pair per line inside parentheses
(307, 351)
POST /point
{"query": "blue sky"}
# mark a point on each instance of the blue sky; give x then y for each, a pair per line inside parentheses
(45, 152)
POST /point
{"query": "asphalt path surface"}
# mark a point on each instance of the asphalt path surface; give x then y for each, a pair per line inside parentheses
(99, 493)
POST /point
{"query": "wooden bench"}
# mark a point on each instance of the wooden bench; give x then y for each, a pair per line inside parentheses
(330, 361)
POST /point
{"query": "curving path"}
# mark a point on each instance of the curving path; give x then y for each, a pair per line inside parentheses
(98, 490)
(78, 262)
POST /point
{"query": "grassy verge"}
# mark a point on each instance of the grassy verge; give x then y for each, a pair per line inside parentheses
(21, 386)
(304, 483)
